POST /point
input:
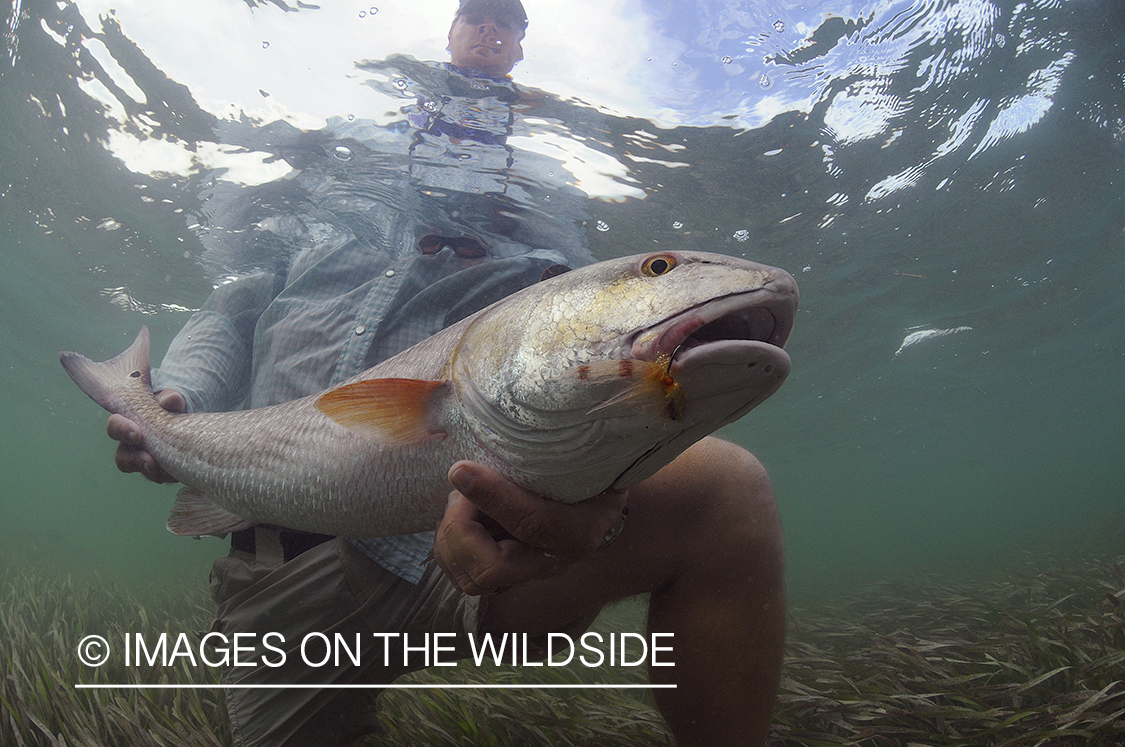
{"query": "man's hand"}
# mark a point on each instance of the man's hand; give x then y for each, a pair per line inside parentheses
(546, 536)
(130, 456)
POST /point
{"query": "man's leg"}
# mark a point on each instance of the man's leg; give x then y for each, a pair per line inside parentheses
(270, 601)
(703, 536)
(332, 589)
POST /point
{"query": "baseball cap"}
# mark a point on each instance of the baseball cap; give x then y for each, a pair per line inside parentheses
(510, 10)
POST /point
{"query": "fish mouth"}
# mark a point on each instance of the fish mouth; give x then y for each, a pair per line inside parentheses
(725, 356)
(757, 319)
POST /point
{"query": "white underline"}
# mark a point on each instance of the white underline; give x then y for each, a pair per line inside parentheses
(167, 686)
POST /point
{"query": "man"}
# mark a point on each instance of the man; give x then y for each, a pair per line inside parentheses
(702, 535)
(486, 37)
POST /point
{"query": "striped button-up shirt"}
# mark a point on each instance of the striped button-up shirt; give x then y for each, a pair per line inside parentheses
(342, 307)
(356, 289)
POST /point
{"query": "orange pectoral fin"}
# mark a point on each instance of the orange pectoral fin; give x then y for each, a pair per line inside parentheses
(389, 411)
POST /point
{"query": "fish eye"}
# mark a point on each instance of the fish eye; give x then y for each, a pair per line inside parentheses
(658, 264)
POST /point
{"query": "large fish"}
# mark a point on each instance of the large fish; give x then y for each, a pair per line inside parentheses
(594, 378)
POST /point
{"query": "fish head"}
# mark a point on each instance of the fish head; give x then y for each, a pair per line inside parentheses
(623, 365)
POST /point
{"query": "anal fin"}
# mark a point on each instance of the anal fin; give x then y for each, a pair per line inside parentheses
(196, 516)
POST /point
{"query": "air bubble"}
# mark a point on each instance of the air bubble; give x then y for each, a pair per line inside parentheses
(727, 59)
(399, 83)
(741, 235)
(764, 81)
(342, 153)
(265, 45)
(602, 225)
(677, 225)
(779, 26)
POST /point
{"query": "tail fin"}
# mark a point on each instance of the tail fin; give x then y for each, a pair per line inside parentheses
(102, 381)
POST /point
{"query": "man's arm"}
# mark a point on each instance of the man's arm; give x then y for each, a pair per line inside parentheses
(546, 536)
(209, 361)
(130, 456)
(206, 368)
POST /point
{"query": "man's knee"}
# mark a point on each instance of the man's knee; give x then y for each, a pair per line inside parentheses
(739, 509)
(734, 478)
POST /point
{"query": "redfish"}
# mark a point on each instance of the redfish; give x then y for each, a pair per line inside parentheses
(593, 379)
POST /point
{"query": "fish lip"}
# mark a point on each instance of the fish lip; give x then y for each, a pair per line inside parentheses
(762, 315)
(764, 367)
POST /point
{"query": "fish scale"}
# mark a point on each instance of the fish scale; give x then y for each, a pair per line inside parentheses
(568, 388)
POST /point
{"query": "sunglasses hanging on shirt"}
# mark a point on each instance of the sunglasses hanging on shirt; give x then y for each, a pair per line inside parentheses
(464, 247)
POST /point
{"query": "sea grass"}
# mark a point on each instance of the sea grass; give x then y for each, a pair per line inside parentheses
(1035, 658)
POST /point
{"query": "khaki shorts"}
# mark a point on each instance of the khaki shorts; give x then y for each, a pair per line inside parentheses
(330, 589)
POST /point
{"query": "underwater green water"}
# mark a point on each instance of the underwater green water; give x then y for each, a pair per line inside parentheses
(914, 174)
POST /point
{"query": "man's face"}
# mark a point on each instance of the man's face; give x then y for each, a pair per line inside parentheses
(491, 45)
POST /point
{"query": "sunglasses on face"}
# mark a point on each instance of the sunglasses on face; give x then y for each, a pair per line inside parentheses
(506, 24)
(464, 247)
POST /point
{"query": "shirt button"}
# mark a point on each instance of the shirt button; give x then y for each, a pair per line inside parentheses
(360, 329)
